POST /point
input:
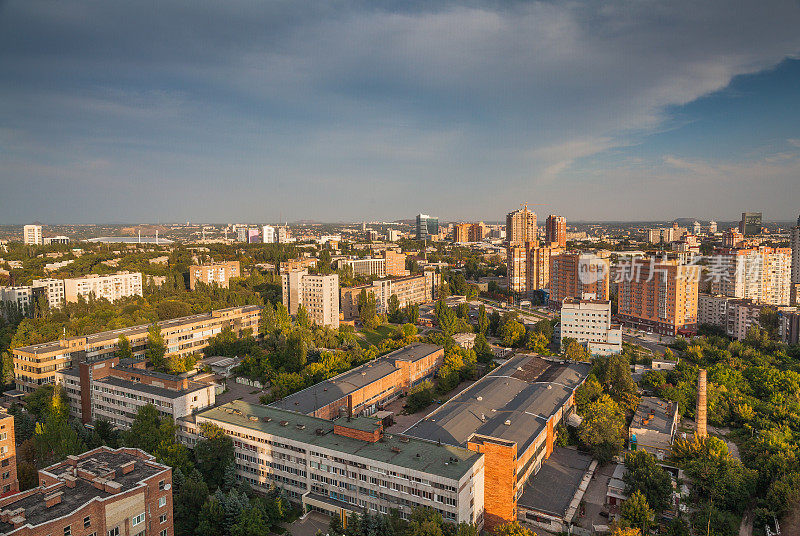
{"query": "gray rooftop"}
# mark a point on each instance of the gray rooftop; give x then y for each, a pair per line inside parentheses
(655, 431)
(526, 390)
(162, 392)
(443, 460)
(326, 392)
(552, 489)
(100, 463)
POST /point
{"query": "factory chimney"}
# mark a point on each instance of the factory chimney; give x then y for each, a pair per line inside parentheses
(702, 407)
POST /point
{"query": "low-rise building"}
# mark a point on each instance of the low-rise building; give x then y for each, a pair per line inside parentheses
(111, 287)
(36, 365)
(350, 465)
(218, 273)
(421, 288)
(366, 389)
(367, 267)
(112, 391)
(654, 426)
(589, 322)
(20, 298)
(103, 491)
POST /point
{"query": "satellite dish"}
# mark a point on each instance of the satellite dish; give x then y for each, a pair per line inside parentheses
(168, 486)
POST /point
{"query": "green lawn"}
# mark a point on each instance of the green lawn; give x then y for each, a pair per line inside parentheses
(376, 336)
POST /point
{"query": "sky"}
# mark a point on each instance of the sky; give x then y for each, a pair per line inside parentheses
(267, 111)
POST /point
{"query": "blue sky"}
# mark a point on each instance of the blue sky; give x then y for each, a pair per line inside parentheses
(348, 110)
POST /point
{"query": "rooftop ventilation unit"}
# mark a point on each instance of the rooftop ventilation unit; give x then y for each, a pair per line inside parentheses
(508, 422)
(252, 417)
(266, 419)
(479, 398)
(404, 439)
(284, 423)
(301, 426)
(395, 449)
(320, 431)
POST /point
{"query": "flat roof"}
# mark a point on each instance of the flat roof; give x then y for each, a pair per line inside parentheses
(326, 392)
(552, 489)
(526, 390)
(427, 457)
(154, 390)
(657, 432)
(101, 462)
(51, 346)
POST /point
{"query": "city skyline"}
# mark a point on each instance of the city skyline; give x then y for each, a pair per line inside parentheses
(247, 112)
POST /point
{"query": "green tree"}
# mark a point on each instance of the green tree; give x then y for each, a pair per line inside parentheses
(149, 429)
(602, 428)
(368, 310)
(644, 474)
(301, 318)
(210, 518)
(483, 320)
(573, 350)
(393, 307)
(512, 333)
(419, 397)
(412, 313)
(251, 523)
(635, 512)
(512, 528)
(55, 439)
(188, 504)
(124, 350)
(425, 522)
(213, 454)
(156, 348)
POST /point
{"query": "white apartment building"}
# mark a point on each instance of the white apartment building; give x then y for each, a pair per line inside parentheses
(284, 236)
(21, 297)
(368, 266)
(319, 294)
(344, 466)
(589, 322)
(734, 315)
(60, 239)
(32, 235)
(115, 392)
(54, 291)
(760, 274)
(111, 287)
(268, 234)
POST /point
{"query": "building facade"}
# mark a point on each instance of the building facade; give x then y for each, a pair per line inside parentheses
(395, 263)
(113, 391)
(36, 365)
(103, 491)
(589, 323)
(268, 234)
(218, 273)
(54, 291)
(761, 274)
(111, 287)
(319, 294)
(8, 456)
(794, 290)
(528, 267)
(750, 224)
(660, 296)
(573, 275)
(521, 227)
(32, 235)
(427, 226)
(461, 232)
(421, 288)
(367, 266)
(556, 230)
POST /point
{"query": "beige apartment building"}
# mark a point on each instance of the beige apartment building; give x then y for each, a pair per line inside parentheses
(32, 235)
(219, 273)
(368, 266)
(761, 274)
(572, 275)
(660, 296)
(54, 291)
(36, 365)
(395, 263)
(319, 294)
(589, 323)
(111, 287)
(794, 290)
(528, 267)
(412, 289)
(521, 226)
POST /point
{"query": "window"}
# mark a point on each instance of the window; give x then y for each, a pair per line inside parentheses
(87, 522)
(161, 503)
(162, 518)
(68, 530)
(160, 484)
(5, 463)
(163, 533)
(137, 520)
(114, 532)
(6, 475)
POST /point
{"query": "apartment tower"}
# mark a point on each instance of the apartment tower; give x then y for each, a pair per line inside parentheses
(556, 230)
(573, 275)
(32, 235)
(521, 226)
(319, 294)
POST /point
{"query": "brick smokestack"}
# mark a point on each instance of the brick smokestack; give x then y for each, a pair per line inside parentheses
(702, 407)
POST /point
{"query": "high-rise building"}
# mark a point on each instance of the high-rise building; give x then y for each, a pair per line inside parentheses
(762, 274)
(103, 491)
(427, 226)
(8, 455)
(795, 284)
(284, 235)
(461, 233)
(111, 287)
(732, 238)
(589, 323)
(750, 224)
(478, 231)
(36, 365)
(660, 296)
(32, 235)
(696, 228)
(268, 234)
(556, 230)
(528, 267)
(319, 294)
(712, 227)
(218, 273)
(574, 275)
(521, 226)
